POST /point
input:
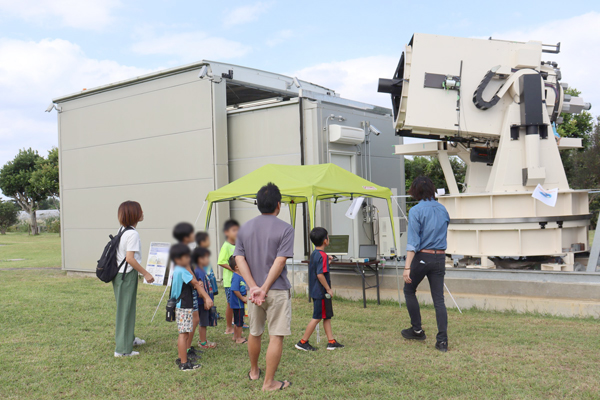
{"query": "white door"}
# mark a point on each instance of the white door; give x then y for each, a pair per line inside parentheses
(340, 224)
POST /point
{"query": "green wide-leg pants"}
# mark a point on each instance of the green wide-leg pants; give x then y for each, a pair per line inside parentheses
(125, 295)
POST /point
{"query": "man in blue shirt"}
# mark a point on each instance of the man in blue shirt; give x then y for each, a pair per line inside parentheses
(426, 257)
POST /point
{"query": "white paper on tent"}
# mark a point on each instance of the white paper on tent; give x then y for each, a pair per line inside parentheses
(548, 197)
(354, 207)
(158, 258)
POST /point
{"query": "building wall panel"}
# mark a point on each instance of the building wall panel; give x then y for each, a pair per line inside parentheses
(179, 157)
(151, 142)
(156, 112)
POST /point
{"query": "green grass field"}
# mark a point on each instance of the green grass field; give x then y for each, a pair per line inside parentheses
(56, 341)
(42, 251)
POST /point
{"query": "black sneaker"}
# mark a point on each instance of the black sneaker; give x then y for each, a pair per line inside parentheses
(334, 346)
(195, 351)
(188, 366)
(305, 347)
(410, 334)
(191, 358)
(442, 346)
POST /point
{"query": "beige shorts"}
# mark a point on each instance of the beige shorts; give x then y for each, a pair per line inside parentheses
(277, 309)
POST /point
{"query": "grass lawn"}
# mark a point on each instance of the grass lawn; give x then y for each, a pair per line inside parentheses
(41, 251)
(57, 342)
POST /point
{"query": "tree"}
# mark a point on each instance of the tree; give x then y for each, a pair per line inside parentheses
(9, 215)
(430, 166)
(45, 178)
(51, 203)
(583, 170)
(15, 182)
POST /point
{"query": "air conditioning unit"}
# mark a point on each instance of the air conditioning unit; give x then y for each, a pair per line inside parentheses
(346, 134)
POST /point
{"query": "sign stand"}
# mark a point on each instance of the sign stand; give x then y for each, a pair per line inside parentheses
(161, 299)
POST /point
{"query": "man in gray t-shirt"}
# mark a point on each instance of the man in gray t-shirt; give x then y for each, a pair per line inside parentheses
(262, 247)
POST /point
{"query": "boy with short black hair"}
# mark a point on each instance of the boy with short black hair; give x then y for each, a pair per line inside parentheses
(183, 232)
(203, 240)
(230, 229)
(319, 285)
(201, 257)
(181, 289)
(238, 302)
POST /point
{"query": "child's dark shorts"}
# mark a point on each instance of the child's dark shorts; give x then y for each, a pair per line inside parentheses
(204, 316)
(322, 309)
(238, 317)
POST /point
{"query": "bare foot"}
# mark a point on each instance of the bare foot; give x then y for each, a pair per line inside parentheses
(241, 340)
(228, 332)
(254, 376)
(277, 385)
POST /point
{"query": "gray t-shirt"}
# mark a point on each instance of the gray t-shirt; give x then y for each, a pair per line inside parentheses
(261, 240)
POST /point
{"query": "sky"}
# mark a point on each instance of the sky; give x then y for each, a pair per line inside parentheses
(50, 48)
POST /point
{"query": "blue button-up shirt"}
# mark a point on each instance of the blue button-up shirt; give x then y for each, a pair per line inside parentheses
(427, 226)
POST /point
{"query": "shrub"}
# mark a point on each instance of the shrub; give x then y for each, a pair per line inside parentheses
(53, 225)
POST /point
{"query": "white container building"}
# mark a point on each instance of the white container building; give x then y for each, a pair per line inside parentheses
(168, 138)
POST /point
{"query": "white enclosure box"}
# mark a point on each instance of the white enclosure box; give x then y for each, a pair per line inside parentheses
(387, 246)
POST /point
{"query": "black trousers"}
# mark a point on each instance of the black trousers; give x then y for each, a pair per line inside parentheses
(432, 266)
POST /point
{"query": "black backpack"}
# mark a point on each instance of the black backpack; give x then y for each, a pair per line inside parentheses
(107, 268)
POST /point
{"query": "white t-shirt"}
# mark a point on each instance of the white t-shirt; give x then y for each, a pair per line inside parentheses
(130, 241)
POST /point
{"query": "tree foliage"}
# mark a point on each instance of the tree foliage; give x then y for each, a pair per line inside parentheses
(19, 181)
(430, 166)
(51, 203)
(44, 178)
(9, 215)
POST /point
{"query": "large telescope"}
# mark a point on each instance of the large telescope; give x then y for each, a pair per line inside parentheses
(495, 104)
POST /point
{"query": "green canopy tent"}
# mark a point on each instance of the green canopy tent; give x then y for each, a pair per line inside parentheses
(301, 184)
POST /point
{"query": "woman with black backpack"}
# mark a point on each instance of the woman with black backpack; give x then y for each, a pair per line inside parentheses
(126, 282)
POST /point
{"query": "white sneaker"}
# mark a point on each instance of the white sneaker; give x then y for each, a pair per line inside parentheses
(133, 353)
(138, 342)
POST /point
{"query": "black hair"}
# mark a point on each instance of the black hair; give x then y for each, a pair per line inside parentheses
(422, 188)
(232, 262)
(230, 223)
(182, 230)
(179, 250)
(201, 237)
(200, 252)
(268, 198)
(318, 236)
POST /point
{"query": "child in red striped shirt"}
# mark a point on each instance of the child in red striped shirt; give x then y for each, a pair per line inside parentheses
(319, 286)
